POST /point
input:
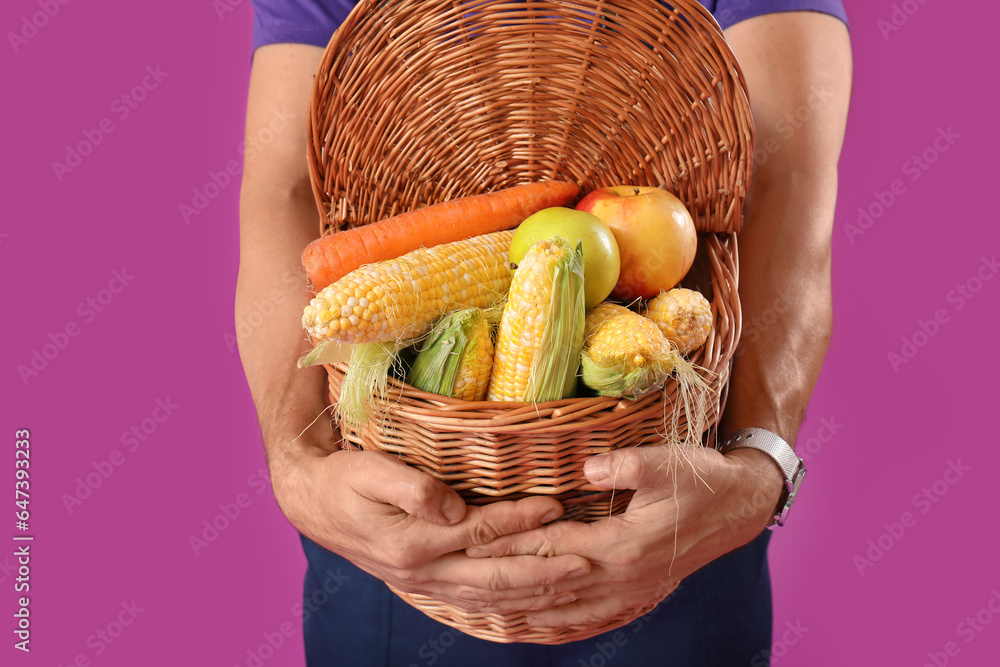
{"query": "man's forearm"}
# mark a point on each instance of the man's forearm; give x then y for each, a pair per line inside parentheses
(786, 302)
(288, 399)
(277, 220)
(797, 66)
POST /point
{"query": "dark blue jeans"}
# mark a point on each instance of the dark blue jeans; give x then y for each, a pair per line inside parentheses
(720, 616)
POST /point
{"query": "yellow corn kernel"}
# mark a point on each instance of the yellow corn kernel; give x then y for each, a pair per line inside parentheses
(615, 333)
(541, 330)
(684, 316)
(476, 365)
(456, 358)
(399, 298)
(626, 355)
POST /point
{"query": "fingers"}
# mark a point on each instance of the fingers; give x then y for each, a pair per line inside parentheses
(555, 539)
(518, 576)
(629, 468)
(563, 592)
(385, 479)
(510, 584)
(589, 611)
(644, 467)
(485, 524)
(599, 608)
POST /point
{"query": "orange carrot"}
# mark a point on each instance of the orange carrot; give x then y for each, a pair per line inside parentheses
(331, 257)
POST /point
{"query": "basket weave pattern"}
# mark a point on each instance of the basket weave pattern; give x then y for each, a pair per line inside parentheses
(417, 102)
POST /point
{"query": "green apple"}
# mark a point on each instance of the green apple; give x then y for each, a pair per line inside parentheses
(601, 262)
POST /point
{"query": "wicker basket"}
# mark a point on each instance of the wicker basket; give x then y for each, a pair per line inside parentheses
(419, 101)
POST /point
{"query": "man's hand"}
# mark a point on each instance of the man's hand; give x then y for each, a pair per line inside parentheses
(397, 523)
(694, 505)
(691, 506)
(409, 529)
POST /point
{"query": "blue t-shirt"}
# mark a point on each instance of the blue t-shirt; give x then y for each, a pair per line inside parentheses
(313, 21)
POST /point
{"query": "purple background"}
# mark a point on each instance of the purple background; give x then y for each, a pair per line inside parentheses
(891, 432)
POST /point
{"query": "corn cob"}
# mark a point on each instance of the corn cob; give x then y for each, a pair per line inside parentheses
(541, 331)
(684, 316)
(399, 298)
(626, 355)
(456, 359)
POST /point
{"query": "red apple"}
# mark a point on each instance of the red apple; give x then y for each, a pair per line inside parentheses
(656, 237)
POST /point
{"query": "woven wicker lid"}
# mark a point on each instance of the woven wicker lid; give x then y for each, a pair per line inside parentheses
(420, 101)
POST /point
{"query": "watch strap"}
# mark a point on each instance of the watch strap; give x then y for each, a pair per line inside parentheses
(792, 468)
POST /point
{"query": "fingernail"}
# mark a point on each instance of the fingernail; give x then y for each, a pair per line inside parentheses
(469, 595)
(575, 574)
(565, 599)
(597, 468)
(476, 552)
(552, 515)
(453, 508)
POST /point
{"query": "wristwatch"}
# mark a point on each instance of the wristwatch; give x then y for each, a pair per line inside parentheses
(792, 468)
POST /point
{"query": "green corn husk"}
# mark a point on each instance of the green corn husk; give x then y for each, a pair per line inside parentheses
(626, 356)
(367, 373)
(327, 351)
(456, 348)
(541, 333)
(367, 378)
(554, 371)
(621, 380)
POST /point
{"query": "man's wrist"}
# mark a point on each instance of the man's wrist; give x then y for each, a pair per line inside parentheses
(783, 458)
(287, 448)
(761, 479)
(298, 466)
